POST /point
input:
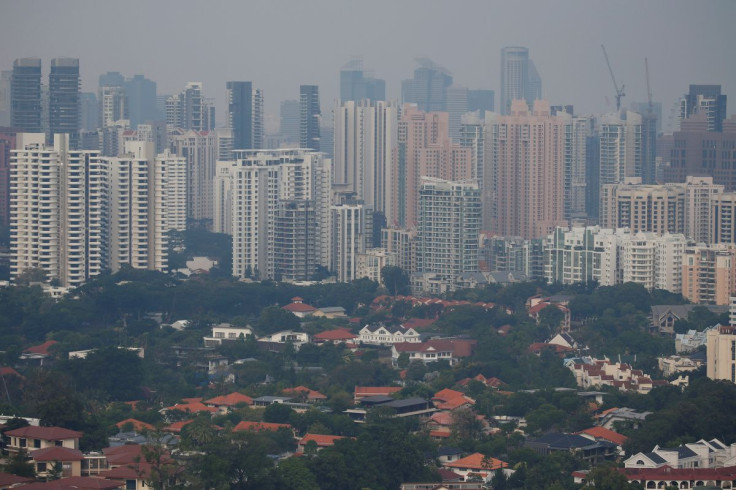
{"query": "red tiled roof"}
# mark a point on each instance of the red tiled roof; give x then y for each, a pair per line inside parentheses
(138, 426)
(475, 462)
(6, 370)
(311, 394)
(57, 453)
(441, 418)
(42, 349)
(122, 455)
(259, 426)
(45, 433)
(75, 483)
(668, 473)
(192, 400)
(363, 391)
(321, 439)
(230, 400)
(446, 394)
(192, 407)
(298, 307)
(449, 476)
(440, 433)
(606, 434)
(7, 479)
(454, 403)
(337, 334)
(177, 426)
(419, 323)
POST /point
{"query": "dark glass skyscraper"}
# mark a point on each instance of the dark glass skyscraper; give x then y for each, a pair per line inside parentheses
(355, 85)
(64, 93)
(245, 115)
(141, 93)
(428, 88)
(309, 119)
(709, 100)
(25, 95)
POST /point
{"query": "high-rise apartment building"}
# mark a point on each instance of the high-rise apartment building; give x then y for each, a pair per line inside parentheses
(245, 115)
(64, 93)
(58, 210)
(190, 109)
(721, 353)
(423, 149)
(355, 85)
(720, 218)
(707, 100)
(519, 78)
(279, 197)
(709, 273)
(365, 134)
(472, 135)
(352, 230)
(7, 143)
(113, 103)
(701, 197)
(309, 117)
(456, 105)
(290, 120)
(25, 96)
(620, 147)
(525, 181)
(199, 149)
(643, 208)
(448, 228)
(428, 88)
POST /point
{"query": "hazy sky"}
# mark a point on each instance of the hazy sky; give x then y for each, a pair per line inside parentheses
(282, 44)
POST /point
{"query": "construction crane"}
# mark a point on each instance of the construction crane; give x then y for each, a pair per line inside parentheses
(619, 91)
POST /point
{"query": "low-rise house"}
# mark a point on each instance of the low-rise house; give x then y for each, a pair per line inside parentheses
(228, 401)
(692, 340)
(322, 441)
(536, 304)
(76, 483)
(628, 416)
(586, 448)
(137, 425)
(191, 407)
(491, 382)
(701, 454)
(226, 331)
(448, 399)
(37, 355)
(450, 350)
(409, 407)
(32, 437)
(664, 317)
(297, 339)
(308, 395)
(366, 391)
(477, 465)
(336, 336)
(266, 400)
(381, 334)
(666, 477)
(62, 461)
(590, 372)
(299, 308)
(603, 434)
(678, 364)
(330, 312)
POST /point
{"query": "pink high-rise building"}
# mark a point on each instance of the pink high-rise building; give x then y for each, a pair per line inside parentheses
(526, 153)
(424, 149)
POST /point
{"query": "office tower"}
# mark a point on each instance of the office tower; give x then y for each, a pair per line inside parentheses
(64, 90)
(352, 233)
(428, 88)
(309, 117)
(708, 100)
(423, 149)
(141, 94)
(533, 89)
(89, 111)
(190, 109)
(481, 100)
(25, 96)
(113, 106)
(456, 104)
(199, 149)
(514, 76)
(327, 138)
(245, 115)
(6, 77)
(7, 143)
(58, 208)
(697, 151)
(526, 179)
(365, 134)
(290, 120)
(356, 86)
(448, 227)
(111, 79)
(270, 195)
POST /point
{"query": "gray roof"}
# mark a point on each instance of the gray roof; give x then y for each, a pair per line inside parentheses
(656, 458)
(682, 311)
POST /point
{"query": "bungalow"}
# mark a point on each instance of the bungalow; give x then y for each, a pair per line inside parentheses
(66, 461)
(478, 465)
(666, 477)
(701, 454)
(310, 396)
(226, 331)
(37, 354)
(322, 441)
(190, 407)
(299, 308)
(381, 334)
(589, 450)
(76, 483)
(32, 437)
(366, 391)
(336, 336)
(629, 416)
(434, 350)
(266, 400)
(603, 434)
(330, 312)
(229, 401)
(287, 336)
(137, 425)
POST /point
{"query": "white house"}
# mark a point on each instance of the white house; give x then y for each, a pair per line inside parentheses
(382, 334)
(287, 336)
(225, 331)
(701, 454)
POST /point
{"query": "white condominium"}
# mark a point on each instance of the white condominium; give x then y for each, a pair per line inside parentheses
(58, 209)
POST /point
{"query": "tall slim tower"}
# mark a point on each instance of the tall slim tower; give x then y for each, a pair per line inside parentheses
(514, 75)
(64, 105)
(25, 96)
(290, 120)
(428, 88)
(245, 115)
(309, 117)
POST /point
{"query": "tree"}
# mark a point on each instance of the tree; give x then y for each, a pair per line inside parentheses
(465, 424)
(395, 279)
(277, 413)
(19, 464)
(606, 477)
(293, 474)
(274, 319)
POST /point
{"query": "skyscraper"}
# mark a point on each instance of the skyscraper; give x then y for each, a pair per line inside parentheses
(356, 86)
(620, 147)
(365, 134)
(519, 78)
(526, 179)
(190, 109)
(113, 105)
(199, 149)
(309, 121)
(290, 121)
(708, 100)
(428, 88)
(481, 100)
(64, 90)
(25, 96)
(245, 115)
(7, 143)
(141, 94)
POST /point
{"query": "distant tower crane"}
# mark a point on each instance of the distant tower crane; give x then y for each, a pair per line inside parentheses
(619, 91)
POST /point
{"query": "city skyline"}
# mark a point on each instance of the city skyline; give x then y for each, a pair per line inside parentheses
(563, 39)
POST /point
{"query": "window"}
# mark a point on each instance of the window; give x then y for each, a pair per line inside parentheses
(129, 484)
(36, 443)
(22, 442)
(40, 467)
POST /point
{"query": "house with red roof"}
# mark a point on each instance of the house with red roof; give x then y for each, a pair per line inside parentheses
(45, 461)
(321, 440)
(311, 396)
(478, 465)
(8, 480)
(38, 354)
(138, 426)
(230, 400)
(336, 336)
(366, 391)
(299, 308)
(33, 437)
(192, 407)
(603, 434)
(450, 350)
(176, 427)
